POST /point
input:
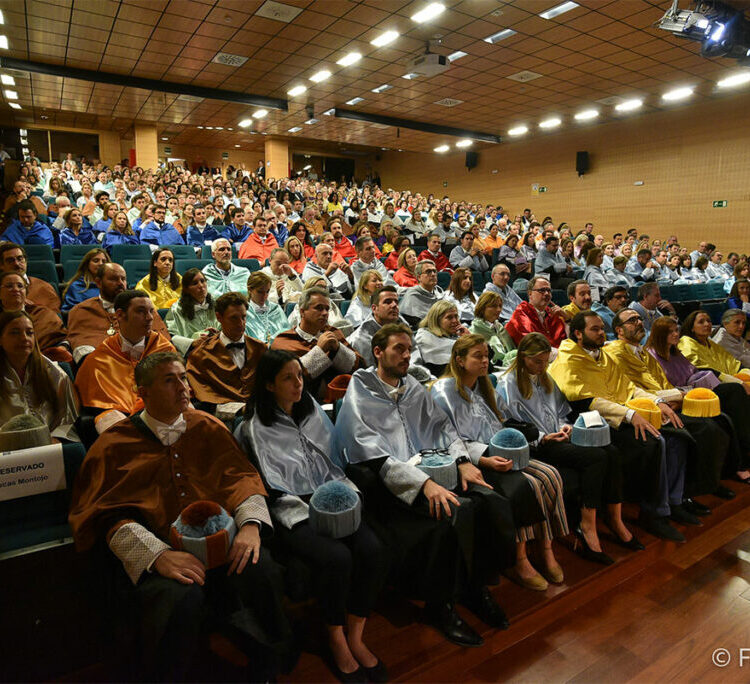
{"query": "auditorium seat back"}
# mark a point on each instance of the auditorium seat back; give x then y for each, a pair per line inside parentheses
(121, 253)
(44, 270)
(39, 253)
(71, 252)
(135, 270)
(183, 265)
(182, 251)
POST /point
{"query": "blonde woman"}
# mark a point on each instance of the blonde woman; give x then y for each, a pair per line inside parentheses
(437, 332)
(466, 394)
(406, 263)
(359, 308)
(487, 324)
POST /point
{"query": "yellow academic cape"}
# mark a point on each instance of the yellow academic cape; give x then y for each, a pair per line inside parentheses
(644, 372)
(571, 309)
(580, 376)
(164, 296)
(711, 355)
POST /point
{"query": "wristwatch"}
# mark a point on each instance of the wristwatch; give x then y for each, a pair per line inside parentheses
(462, 459)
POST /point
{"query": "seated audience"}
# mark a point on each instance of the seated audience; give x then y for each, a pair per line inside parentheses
(193, 315)
(407, 261)
(360, 305)
(300, 231)
(579, 295)
(75, 232)
(82, 285)
(13, 259)
(698, 348)
(221, 366)
(367, 259)
(731, 335)
(594, 274)
(323, 349)
(105, 379)
(163, 284)
(486, 322)
(467, 255)
(437, 332)
(200, 232)
(461, 293)
(335, 318)
(739, 296)
(287, 284)
(614, 299)
(467, 396)
(417, 300)
(400, 244)
(650, 305)
(379, 429)
(26, 230)
(551, 264)
(223, 276)
(618, 276)
(119, 232)
(383, 310)
(31, 383)
(292, 441)
(296, 253)
(260, 243)
(341, 245)
(500, 278)
(538, 314)
(265, 318)
(158, 231)
(435, 254)
(339, 277)
(115, 505)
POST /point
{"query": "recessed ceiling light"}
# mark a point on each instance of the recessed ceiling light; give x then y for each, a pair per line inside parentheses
(237, 145)
(320, 76)
(348, 60)
(355, 100)
(297, 90)
(329, 112)
(245, 123)
(384, 38)
(453, 56)
(432, 10)
(3, 42)
(677, 94)
(15, 105)
(464, 143)
(587, 114)
(24, 141)
(230, 128)
(518, 130)
(307, 168)
(294, 129)
(11, 94)
(25, 150)
(209, 128)
(410, 76)
(735, 80)
(500, 35)
(629, 105)
(165, 138)
(219, 128)
(553, 122)
(2, 17)
(312, 121)
(442, 148)
(558, 10)
(382, 88)
(201, 127)
(7, 80)
(260, 113)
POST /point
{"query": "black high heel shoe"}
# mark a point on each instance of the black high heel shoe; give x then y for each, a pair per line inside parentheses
(632, 545)
(588, 553)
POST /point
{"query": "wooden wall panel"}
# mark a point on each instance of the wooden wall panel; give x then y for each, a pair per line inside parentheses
(686, 157)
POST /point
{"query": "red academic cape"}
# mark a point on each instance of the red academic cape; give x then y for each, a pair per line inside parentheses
(88, 323)
(525, 319)
(405, 278)
(254, 248)
(344, 248)
(212, 374)
(129, 476)
(441, 262)
(106, 378)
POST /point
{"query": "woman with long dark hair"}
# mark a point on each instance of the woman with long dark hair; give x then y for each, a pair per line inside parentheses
(292, 441)
(192, 315)
(461, 293)
(163, 283)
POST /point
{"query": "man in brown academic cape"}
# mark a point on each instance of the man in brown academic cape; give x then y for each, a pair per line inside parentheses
(135, 481)
(221, 366)
(105, 379)
(93, 320)
(323, 350)
(40, 292)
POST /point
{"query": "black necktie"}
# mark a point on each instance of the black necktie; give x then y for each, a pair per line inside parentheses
(236, 345)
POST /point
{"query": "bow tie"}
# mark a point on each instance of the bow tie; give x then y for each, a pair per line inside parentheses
(397, 392)
(236, 345)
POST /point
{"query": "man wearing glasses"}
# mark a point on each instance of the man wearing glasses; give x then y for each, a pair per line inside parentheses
(538, 314)
(615, 299)
(40, 292)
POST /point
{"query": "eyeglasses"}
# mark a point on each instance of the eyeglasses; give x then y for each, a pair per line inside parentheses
(632, 319)
(543, 289)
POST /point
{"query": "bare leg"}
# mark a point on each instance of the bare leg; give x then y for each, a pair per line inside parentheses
(355, 627)
(549, 557)
(339, 646)
(615, 520)
(588, 527)
(523, 567)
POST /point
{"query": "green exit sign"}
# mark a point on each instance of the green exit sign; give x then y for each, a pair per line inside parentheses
(542, 188)
(718, 204)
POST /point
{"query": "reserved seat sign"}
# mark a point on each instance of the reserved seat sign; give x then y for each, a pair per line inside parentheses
(31, 471)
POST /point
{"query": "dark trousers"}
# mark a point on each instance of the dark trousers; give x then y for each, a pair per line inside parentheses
(599, 469)
(348, 572)
(735, 403)
(165, 618)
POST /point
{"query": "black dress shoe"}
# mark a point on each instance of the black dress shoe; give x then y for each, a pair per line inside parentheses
(359, 675)
(585, 551)
(725, 493)
(696, 507)
(680, 515)
(484, 606)
(632, 544)
(376, 673)
(449, 622)
(660, 527)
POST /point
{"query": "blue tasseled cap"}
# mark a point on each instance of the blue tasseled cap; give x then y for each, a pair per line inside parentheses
(334, 497)
(509, 438)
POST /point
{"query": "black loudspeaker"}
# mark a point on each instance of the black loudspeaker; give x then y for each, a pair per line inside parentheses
(582, 162)
(472, 159)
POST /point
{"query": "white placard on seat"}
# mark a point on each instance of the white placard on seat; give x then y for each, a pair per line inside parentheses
(31, 471)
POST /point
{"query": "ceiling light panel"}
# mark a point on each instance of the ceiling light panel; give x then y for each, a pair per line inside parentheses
(384, 38)
(629, 105)
(381, 89)
(677, 94)
(297, 90)
(500, 35)
(355, 100)
(320, 76)
(587, 115)
(464, 143)
(245, 123)
(552, 122)
(453, 56)
(558, 10)
(434, 9)
(7, 80)
(295, 129)
(442, 148)
(518, 130)
(348, 60)
(735, 80)
(260, 114)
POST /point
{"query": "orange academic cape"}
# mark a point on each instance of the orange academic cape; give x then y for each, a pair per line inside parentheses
(43, 294)
(129, 476)
(88, 323)
(48, 326)
(106, 378)
(212, 374)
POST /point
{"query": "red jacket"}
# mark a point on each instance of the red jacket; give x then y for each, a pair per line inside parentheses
(253, 248)
(345, 248)
(441, 263)
(525, 319)
(404, 278)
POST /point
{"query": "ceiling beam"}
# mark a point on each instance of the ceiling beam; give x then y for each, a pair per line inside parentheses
(415, 125)
(144, 83)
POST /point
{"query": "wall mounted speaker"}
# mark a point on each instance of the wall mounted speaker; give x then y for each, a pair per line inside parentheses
(472, 159)
(582, 162)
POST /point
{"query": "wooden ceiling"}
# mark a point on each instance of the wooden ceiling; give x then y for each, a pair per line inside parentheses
(595, 52)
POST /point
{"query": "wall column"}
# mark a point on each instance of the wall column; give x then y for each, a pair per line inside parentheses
(109, 147)
(146, 147)
(277, 158)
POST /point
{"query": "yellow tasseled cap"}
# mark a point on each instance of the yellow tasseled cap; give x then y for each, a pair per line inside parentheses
(743, 375)
(701, 403)
(647, 409)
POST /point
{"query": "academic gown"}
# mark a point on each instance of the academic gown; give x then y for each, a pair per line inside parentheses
(185, 330)
(48, 326)
(106, 378)
(256, 248)
(435, 351)
(85, 237)
(213, 375)
(164, 235)
(500, 343)
(710, 355)
(78, 292)
(43, 294)
(197, 239)
(525, 319)
(416, 302)
(37, 234)
(115, 237)
(219, 282)
(163, 296)
(265, 323)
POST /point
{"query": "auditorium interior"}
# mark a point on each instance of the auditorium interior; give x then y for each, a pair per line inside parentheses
(598, 147)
